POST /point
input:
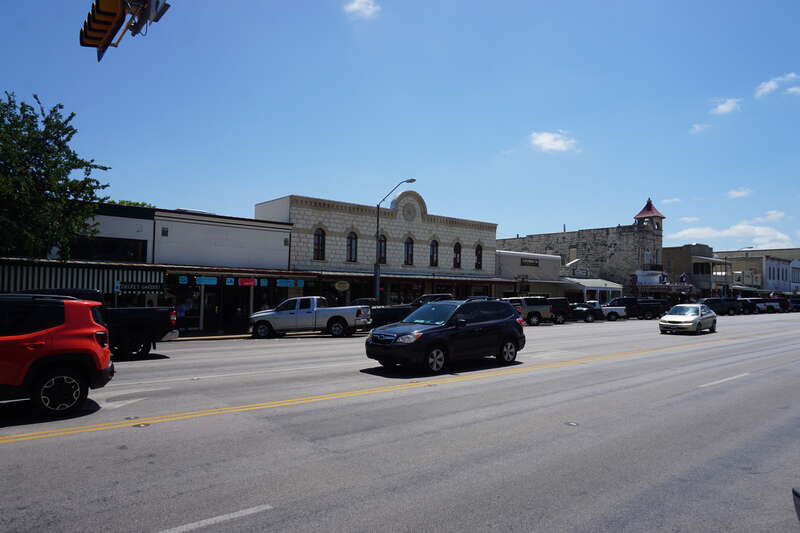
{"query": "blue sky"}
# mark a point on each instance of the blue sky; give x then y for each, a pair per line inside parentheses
(528, 114)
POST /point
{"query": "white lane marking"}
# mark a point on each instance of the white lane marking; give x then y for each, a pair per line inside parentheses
(113, 389)
(217, 519)
(105, 404)
(723, 380)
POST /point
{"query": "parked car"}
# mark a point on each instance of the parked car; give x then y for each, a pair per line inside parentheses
(440, 333)
(371, 302)
(611, 312)
(388, 314)
(309, 313)
(722, 306)
(689, 318)
(795, 303)
(585, 312)
(783, 304)
(764, 305)
(647, 308)
(534, 310)
(560, 309)
(747, 307)
(52, 350)
(133, 331)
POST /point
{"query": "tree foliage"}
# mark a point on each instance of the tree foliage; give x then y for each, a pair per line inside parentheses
(132, 203)
(41, 204)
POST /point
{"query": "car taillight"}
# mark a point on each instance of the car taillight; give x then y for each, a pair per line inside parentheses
(520, 321)
(173, 317)
(102, 338)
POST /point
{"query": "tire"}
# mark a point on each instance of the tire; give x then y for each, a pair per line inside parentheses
(713, 328)
(60, 391)
(648, 315)
(263, 330)
(731, 312)
(507, 352)
(337, 327)
(589, 318)
(558, 318)
(435, 360)
(698, 329)
(612, 317)
(130, 348)
(534, 319)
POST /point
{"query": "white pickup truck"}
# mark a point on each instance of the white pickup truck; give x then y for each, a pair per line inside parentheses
(310, 313)
(611, 312)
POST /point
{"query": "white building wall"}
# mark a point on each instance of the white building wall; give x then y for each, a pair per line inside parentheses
(184, 239)
(795, 269)
(126, 228)
(510, 265)
(777, 274)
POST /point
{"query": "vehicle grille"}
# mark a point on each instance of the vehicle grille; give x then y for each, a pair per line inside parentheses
(379, 338)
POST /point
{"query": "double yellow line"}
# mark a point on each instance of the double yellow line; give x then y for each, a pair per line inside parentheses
(187, 415)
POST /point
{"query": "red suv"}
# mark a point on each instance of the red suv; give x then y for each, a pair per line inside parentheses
(53, 349)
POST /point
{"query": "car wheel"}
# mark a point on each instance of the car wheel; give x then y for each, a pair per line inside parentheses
(263, 330)
(588, 318)
(508, 352)
(337, 328)
(140, 347)
(534, 319)
(648, 315)
(612, 317)
(731, 312)
(713, 328)
(435, 360)
(559, 319)
(698, 329)
(60, 391)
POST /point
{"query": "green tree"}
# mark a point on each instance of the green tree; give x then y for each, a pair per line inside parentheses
(132, 203)
(41, 204)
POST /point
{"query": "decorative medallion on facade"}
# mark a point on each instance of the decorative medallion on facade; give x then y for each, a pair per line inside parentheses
(409, 212)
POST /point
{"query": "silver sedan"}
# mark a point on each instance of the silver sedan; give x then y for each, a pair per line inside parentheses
(688, 317)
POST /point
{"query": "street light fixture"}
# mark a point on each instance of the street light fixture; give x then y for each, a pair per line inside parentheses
(377, 239)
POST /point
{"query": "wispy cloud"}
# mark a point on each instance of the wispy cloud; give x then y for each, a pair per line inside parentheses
(760, 236)
(770, 216)
(725, 106)
(689, 220)
(771, 85)
(741, 192)
(698, 128)
(671, 201)
(553, 141)
(365, 9)
(793, 90)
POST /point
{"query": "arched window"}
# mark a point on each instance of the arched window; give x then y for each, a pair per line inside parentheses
(434, 253)
(478, 257)
(457, 255)
(409, 252)
(352, 247)
(319, 244)
(382, 249)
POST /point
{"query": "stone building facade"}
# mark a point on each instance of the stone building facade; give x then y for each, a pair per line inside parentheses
(423, 252)
(618, 253)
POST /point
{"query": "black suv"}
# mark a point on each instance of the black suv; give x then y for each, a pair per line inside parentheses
(439, 333)
(722, 306)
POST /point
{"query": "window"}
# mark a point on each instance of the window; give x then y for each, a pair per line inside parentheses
(110, 249)
(305, 303)
(382, 249)
(22, 318)
(434, 253)
(352, 247)
(478, 257)
(457, 255)
(319, 244)
(409, 252)
(701, 268)
(469, 312)
(288, 305)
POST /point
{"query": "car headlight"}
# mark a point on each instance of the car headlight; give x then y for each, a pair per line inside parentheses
(409, 338)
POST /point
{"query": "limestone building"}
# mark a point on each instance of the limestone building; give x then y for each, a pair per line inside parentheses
(621, 254)
(418, 252)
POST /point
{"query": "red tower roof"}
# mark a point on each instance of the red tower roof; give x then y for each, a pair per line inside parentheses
(649, 210)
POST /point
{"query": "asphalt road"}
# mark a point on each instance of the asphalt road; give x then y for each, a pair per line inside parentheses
(599, 427)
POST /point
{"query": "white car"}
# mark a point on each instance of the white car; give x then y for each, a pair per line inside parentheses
(688, 317)
(611, 312)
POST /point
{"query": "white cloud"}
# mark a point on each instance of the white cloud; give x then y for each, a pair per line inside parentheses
(766, 87)
(793, 90)
(689, 220)
(671, 201)
(770, 216)
(725, 106)
(741, 192)
(365, 9)
(760, 236)
(548, 141)
(697, 128)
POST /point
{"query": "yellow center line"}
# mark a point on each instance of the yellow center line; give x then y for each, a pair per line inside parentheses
(186, 415)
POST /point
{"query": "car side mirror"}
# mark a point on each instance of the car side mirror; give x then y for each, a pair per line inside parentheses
(460, 323)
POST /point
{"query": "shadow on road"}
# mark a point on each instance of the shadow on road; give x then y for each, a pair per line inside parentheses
(148, 357)
(21, 413)
(408, 372)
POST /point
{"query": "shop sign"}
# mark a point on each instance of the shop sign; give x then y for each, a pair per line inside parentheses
(284, 283)
(301, 283)
(529, 261)
(137, 286)
(247, 282)
(183, 280)
(263, 283)
(230, 281)
(342, 286)
(205, 280)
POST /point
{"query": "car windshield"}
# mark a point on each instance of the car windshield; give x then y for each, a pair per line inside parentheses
(684, 310)
(433, 314)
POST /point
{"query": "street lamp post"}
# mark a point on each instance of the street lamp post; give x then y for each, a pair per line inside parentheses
(377, 240)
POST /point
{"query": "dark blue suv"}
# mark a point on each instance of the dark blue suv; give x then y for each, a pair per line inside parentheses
(439, 333)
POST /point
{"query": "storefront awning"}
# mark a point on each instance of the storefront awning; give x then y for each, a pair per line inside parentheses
(703, 259)
(411, 277)
(595, 284)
